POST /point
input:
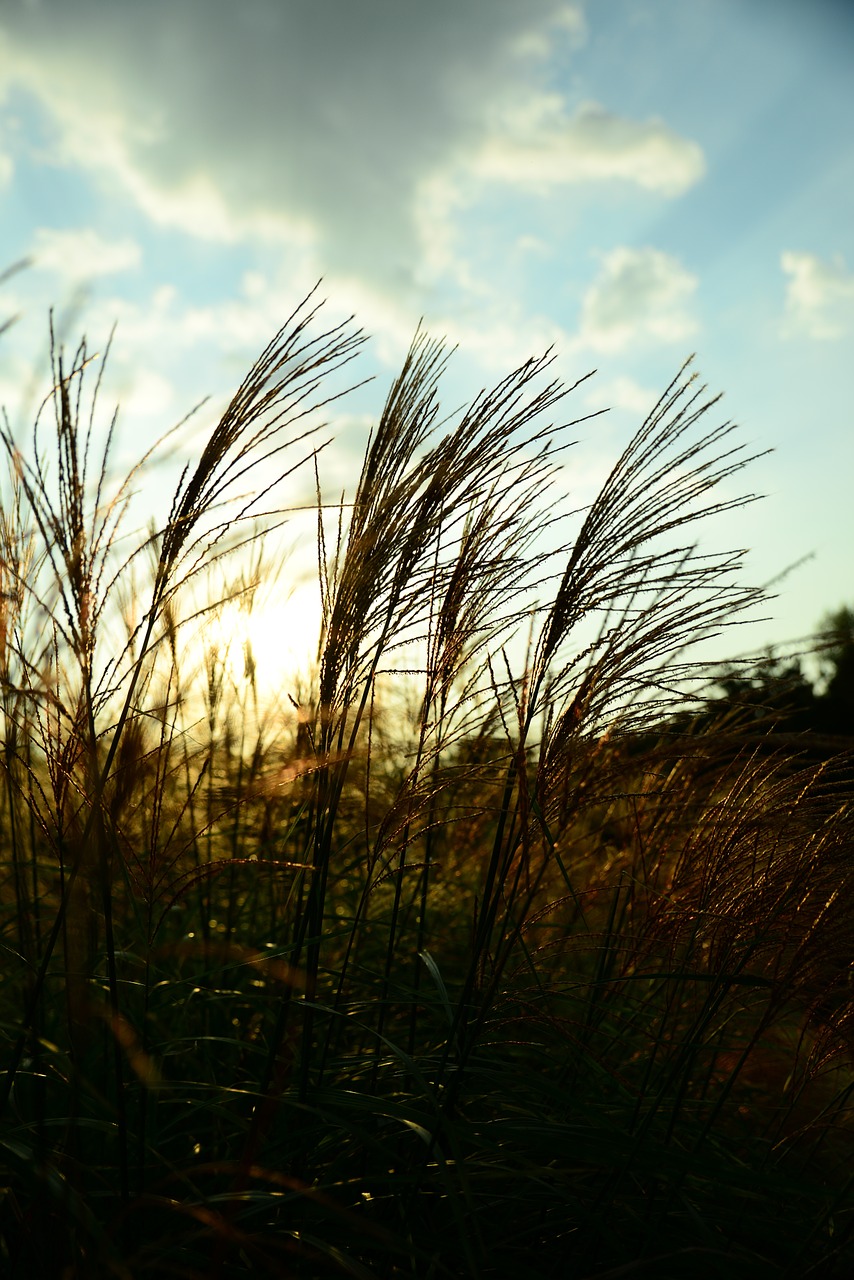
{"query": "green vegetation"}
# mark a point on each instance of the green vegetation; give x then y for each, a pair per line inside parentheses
(474, 957)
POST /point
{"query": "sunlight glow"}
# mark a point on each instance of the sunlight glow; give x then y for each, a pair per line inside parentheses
(276, 633)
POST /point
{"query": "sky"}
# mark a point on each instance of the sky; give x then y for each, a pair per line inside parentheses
(631, 182)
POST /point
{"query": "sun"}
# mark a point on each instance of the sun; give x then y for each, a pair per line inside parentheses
(272, 635)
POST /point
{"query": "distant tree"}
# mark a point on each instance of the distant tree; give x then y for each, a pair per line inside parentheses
(836, 650)
(774, 693)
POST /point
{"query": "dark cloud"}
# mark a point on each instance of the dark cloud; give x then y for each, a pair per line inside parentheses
(309, 121)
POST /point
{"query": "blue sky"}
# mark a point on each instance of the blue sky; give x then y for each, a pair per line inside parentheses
(629, 181)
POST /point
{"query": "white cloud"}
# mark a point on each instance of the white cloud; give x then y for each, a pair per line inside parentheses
(538, 145)
(533, 245)
(819, 296)
(308, 124)
(81, 254)
(344, 141)
(623, 393)
(528, 141)
(537, 42)
(165, 327)
(570, 18)
(641, 295)
(7, 168)
(15, 381)
(502, 337)
(350, 138)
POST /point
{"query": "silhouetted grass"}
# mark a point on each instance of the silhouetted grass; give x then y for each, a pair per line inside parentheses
(463, 962)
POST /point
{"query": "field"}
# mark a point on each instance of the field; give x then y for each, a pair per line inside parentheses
(486, 951)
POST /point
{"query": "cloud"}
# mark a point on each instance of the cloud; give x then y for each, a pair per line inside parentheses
(819, 296)
(538, 145)
(568, 19)
(528, 142)
(641, 295)
(81, 254)
(7, 168)
(623, 393)
(502, 337)
(307, 125)
(348, 140)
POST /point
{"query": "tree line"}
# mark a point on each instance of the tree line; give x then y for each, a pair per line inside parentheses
(810, 693)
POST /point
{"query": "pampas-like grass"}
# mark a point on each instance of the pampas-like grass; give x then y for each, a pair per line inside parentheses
(470, 956)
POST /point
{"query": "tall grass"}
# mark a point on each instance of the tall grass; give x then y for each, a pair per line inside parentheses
(466, 958)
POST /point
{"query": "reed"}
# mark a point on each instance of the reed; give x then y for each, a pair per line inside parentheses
(471, 956)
